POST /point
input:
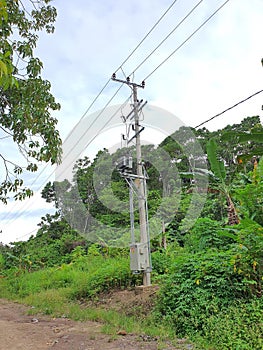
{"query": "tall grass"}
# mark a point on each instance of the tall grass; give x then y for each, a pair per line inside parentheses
(85, 278)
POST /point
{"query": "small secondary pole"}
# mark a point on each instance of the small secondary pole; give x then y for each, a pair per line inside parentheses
(141, 178)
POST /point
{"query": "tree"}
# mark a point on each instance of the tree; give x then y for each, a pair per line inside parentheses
(5, 62)
(250, 144)
(25, 98)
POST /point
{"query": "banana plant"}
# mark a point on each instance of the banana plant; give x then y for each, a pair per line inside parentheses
(218, 171)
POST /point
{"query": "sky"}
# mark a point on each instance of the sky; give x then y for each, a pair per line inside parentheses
(217, 67)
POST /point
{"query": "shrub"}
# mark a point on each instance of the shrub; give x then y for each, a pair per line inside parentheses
(239, 327)
(199, 286)
(205, 234)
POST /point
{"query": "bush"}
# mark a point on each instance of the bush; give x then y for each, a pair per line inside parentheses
(205, 234)
(161, 262)
(198, 287)
(2, 262)
(239, 327)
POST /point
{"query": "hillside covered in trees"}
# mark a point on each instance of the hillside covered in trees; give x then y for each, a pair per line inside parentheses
(206, 226)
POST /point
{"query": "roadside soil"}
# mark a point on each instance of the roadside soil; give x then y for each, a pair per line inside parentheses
(19, 331)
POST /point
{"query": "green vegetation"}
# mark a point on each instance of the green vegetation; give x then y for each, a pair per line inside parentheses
(84, 277)
(210, 276)
(26, 102)
(64, 290)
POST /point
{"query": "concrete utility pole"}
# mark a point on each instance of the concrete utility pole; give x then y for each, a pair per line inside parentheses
(141, 187)
(144, 239)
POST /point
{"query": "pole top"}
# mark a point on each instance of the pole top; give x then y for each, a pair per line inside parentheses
(128, 81)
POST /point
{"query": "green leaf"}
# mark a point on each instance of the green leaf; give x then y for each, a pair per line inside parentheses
(3, 69)
(217, 166)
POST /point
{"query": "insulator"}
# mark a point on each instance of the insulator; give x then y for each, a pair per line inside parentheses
(128, 79)
(113, 76)
(143, 83)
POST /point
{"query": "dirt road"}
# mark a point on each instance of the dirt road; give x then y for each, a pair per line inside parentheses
(18, 331)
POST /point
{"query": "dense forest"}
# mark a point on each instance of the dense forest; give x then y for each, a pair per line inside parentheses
(205, 209)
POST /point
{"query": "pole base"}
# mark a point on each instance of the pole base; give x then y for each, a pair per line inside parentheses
(152, 289)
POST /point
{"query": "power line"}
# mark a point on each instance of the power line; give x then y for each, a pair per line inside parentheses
(122, 64)
(187, 39)
(108, 121)
(145, 37)
(228, 109)
(27, 234)
(174, 29)
(68, 153)
(97, 117)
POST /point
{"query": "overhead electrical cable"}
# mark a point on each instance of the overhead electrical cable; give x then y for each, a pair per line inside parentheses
(45, 167)
(174, 29)
(93, 122)
(187, 39)
(26, 234)
(146, 36)
(122, 64)
(98, 132)
(229, 108)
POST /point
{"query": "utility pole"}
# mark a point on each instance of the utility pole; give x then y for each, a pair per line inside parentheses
(143, 219)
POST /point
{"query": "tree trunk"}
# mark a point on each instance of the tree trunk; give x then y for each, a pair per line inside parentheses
(164, 242)
(233, 218)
